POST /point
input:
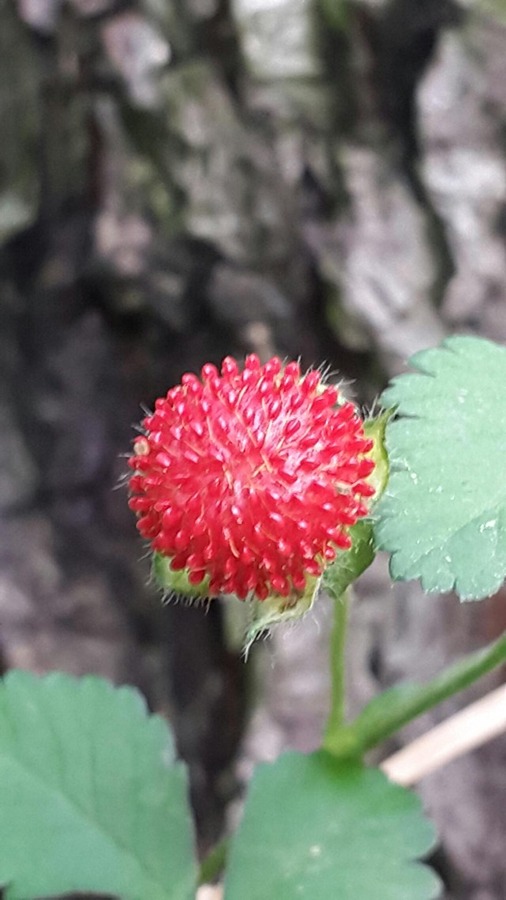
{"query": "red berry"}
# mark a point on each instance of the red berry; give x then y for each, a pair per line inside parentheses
(251, 479)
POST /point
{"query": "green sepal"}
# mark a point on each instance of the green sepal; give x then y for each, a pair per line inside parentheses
(351, 563)
(375, 430)
(172, 581)
(275, 610)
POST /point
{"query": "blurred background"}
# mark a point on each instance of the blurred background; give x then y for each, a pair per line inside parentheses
(185, 179)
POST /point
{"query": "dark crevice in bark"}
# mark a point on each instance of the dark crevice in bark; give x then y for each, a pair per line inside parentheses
(398, 45)
(209, 689)
(404, 40)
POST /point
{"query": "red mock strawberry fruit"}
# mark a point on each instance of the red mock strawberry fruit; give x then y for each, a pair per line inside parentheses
(250, 480)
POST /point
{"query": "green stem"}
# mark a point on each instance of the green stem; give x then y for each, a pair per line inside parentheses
(393, 709)
(214, 863)
(337, 669)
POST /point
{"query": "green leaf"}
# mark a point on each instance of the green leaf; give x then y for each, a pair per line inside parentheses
(443, 515)
(317, 828)
(92, 798)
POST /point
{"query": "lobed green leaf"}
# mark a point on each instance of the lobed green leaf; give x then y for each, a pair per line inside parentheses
(92, 798)
(443, 514)
(317, 828)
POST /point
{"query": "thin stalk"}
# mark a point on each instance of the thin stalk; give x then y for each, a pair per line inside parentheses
(337, 669)
(472, 727)
(393, 709)
(213, 864)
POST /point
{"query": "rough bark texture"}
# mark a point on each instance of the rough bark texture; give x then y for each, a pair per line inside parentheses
(188, 179)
